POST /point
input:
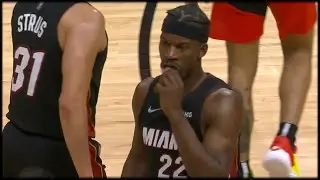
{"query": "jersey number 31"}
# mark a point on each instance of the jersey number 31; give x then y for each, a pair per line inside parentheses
(26, 55)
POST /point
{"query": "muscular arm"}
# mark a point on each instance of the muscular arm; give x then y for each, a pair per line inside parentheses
(136, 162)
(214, 156)
(82, 41)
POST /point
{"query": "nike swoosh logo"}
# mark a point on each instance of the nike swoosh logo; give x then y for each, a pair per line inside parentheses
(150, 110)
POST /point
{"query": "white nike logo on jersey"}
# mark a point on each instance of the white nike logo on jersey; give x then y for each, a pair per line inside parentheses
(150, 110)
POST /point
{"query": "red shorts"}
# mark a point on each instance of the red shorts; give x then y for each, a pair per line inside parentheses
(242, 22)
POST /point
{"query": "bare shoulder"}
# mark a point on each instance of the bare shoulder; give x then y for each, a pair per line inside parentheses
(142, 88)
(139, 96)
(82, 13)
(84, 17)
(225, 96)
(223, 102)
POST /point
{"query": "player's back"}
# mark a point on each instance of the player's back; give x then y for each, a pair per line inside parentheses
(37, 75)
(162, 149)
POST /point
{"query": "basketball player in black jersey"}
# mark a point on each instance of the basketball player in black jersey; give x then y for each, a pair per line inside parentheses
(59, 50)
(187, 121)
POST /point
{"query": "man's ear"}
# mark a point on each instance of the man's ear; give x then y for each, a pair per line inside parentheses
(203, 50)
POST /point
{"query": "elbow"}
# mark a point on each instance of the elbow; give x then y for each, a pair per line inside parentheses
(221, 172)
(210, 169)
(209, 172)
(221, 165)
(215, 171)
(69, 105)
(220, 169)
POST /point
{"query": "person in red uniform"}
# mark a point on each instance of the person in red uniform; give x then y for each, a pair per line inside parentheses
(240, 24)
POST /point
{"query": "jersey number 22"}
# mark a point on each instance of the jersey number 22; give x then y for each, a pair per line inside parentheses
(38, 57)
(168, 162)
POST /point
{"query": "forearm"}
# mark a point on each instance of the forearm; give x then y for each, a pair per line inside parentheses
(196, 160)
(75, 129)
(134, 167)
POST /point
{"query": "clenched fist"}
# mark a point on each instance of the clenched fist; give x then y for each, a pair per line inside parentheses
(171, 91)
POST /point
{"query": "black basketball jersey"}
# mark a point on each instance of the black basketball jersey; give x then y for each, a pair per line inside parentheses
(37, 72)
(164, 160)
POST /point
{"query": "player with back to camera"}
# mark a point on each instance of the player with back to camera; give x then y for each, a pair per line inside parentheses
(187, 121)
(59, 50)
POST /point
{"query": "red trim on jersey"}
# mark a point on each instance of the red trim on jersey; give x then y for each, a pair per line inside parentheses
(91, 127)
(234, 169)
(97, 168)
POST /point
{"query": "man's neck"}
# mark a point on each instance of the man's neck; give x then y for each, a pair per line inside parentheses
(193, 81)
